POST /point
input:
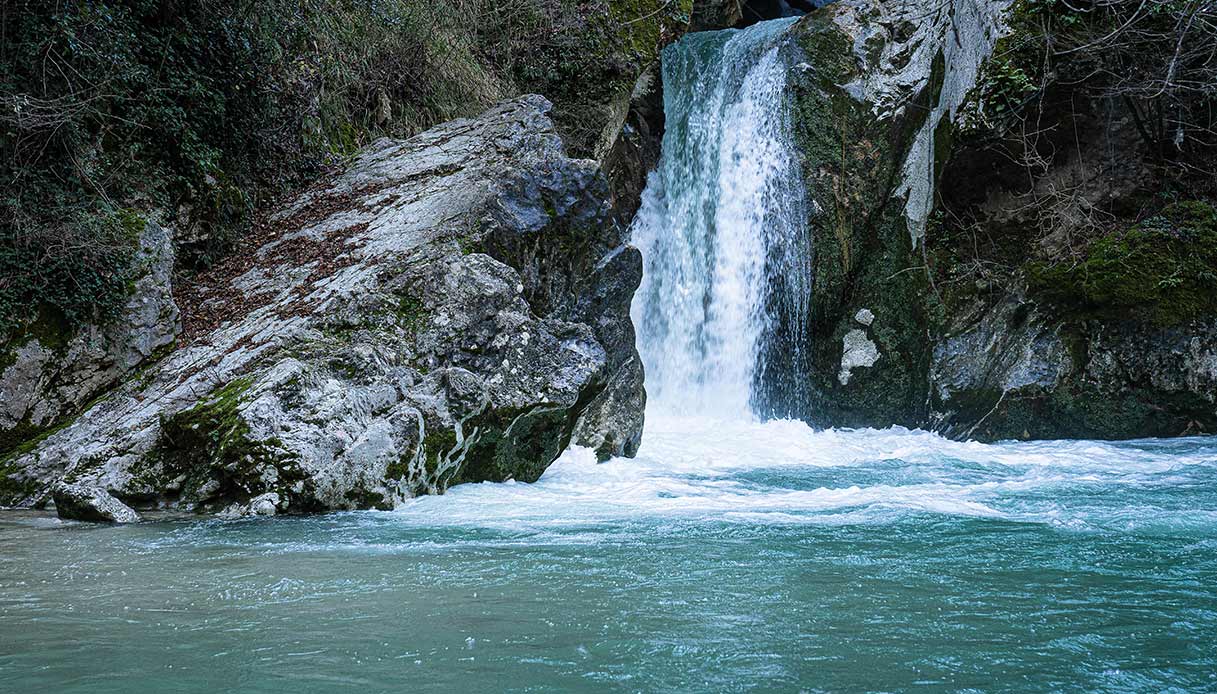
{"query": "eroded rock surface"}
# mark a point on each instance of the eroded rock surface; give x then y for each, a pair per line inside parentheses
(48, 371)
(1014, 369)
(875, 86)
(452, 308)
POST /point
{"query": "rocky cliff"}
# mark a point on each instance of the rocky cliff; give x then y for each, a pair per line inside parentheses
(951, 295)
(50, 370)
(455, 307)
(451, 308)
(878, 86)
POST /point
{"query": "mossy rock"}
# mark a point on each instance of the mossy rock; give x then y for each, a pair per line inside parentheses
(1163, 270)
(1084, 410)
(863, 255)
(517, 445)
(212, 442)
(52, 332)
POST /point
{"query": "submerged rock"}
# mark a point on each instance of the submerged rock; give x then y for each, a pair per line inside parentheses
(452, 308)
(88, 503)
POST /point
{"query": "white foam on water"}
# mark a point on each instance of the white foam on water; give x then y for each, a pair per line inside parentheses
(737, 470)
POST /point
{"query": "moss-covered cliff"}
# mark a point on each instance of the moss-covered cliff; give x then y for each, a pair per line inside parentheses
(1063, 283)
(852, 162)
(1080, 191)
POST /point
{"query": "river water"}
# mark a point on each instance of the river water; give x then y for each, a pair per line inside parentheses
(726, 557)
(732, 555)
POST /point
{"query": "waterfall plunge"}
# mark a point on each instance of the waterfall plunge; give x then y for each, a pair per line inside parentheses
(721, 228)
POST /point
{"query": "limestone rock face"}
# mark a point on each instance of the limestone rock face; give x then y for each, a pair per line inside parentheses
(454, 307)
(1012, 369)
(922, 56)
(86, 503)
(877, 82)
(874, 99)
(52, 372)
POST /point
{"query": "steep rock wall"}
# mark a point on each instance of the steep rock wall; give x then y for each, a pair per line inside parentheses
(49, 370)
(881, 80)
(1117, 344)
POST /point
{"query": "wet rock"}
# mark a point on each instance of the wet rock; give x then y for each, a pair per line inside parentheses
(721, 14)
(630, 145)
(88, 503)
(268, 504)
(452, 308)
(709, 15)
(875, 82)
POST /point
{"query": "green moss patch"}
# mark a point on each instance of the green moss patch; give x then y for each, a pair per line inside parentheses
(1163, 270)
(515, 444)
(212, 441)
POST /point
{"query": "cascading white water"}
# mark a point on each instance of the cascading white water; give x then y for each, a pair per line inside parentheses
(721, 226)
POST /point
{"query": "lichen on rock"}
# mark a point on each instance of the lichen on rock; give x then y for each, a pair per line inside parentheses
(857, 351)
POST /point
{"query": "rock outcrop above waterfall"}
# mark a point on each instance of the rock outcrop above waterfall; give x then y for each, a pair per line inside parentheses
(709, 15)
(1079, 307)
(452, 308)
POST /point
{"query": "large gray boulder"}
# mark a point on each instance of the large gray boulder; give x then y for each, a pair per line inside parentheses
(452, 308)
(1011, 368)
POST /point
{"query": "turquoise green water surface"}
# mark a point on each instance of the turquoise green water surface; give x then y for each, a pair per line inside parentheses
(727, 557)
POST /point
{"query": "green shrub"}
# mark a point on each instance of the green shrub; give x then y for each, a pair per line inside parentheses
(78, 267)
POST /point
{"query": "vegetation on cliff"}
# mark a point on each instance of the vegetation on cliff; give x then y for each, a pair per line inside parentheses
(1092, 124)
(200, 111)
(1074, 245)
(1164, 270)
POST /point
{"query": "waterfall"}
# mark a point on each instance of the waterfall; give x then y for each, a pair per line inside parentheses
(721, 228)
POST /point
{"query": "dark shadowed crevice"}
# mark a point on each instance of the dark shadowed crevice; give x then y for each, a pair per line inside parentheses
(725, 14)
